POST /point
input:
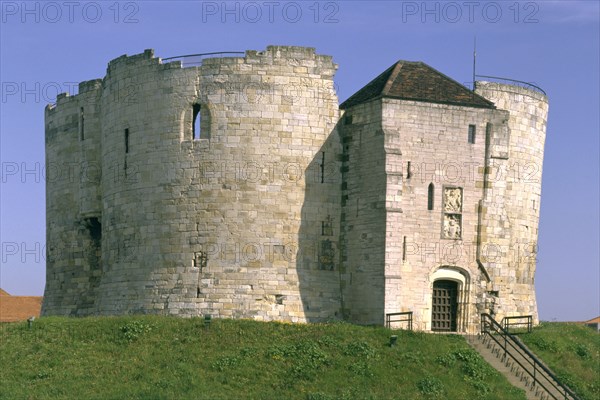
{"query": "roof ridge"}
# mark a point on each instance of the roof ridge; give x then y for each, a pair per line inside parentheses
(454, 81)
(417, 81)
(392, 77)
(364, 94)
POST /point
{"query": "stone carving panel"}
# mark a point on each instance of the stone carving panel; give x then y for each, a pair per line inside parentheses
(452, 221)
(452, 200)
(452, 226)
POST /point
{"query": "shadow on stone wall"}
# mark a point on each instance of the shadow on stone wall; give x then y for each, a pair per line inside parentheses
(318, 256)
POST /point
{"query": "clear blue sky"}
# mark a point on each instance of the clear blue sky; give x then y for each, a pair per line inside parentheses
(48, 46)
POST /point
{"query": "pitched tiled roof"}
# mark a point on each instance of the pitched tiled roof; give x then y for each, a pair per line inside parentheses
(593, 321)
(409, 80)
(18, 308)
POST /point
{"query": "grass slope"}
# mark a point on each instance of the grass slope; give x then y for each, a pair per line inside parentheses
(171, 358)
(572, 352)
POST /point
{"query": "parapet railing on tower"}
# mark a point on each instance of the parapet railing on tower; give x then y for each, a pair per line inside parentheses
(526, 85)
(195, 60)
(529, 363)
(404, 317)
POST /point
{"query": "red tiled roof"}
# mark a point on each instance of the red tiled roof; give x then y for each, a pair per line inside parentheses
(410, 80)
(593, 321)
(18, 308)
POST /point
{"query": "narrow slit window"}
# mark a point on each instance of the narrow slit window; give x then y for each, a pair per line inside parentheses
(430, 191)
(81, 124)
(322, 167)
(126, 140)
(196, 120)
(95, 229)
(471, 134)
(408, 171)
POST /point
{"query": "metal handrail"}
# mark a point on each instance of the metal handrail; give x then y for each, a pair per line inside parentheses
(205, 55)
(534, 375)
(506, 322)
(409, 319)
(489, 322)
(527, 84)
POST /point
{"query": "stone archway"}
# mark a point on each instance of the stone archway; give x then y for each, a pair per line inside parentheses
(449, 299)
(444, 306)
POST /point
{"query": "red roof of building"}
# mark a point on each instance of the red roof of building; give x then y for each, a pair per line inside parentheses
(18, 308)
(593, 321)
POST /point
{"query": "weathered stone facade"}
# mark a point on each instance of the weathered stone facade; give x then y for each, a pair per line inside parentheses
(235, 189)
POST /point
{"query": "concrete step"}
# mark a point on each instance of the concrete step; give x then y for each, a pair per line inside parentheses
(490, 352)
(512, 367)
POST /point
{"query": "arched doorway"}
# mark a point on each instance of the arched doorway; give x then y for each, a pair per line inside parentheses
(444, 307)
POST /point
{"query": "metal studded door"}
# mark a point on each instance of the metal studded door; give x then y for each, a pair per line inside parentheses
(444, 306)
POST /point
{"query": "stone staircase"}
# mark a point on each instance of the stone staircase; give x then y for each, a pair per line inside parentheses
(514, 365)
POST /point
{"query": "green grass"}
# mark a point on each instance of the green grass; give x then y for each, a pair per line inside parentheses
(572, 352)
(171, 358)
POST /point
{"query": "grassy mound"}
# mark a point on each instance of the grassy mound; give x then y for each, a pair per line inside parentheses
(171, 358)
(572, 352)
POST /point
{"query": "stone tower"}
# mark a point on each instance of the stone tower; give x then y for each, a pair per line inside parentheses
(162, 218)
(511, 206)
(440, 199)
(234, 188)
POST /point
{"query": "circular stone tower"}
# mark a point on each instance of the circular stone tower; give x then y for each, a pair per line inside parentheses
(512, 199)
(200, 205)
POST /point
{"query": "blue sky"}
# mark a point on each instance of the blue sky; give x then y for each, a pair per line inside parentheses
(47, 47)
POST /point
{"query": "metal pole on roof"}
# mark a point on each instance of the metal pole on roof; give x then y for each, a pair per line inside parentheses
(474, 59)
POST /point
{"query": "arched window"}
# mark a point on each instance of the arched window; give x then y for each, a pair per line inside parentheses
(200, 123)
(430, 190)
(471, 135)
(196, 119)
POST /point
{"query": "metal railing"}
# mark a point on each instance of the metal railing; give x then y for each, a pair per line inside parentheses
(533, 367)
(405, 317)
(523, 321)
(527, 85)
(195, 60)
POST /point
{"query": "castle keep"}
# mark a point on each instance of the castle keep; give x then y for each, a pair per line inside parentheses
(240, 188)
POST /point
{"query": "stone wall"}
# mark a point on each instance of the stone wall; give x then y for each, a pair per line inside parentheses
(73, 200)
(512, 204)
(401, 155)
(235, 189)
(210, 224)
(363, 213)
(434, 233)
